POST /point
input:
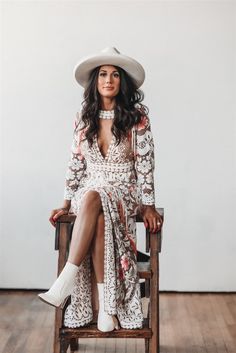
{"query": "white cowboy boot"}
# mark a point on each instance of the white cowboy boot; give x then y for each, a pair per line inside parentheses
(105, 321)
(62, 287)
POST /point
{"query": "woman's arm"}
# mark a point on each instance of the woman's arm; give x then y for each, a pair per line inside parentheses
(74, 173)
(76, 165)
(145, 164)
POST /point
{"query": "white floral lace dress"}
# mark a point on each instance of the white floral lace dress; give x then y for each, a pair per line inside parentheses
(124, 181)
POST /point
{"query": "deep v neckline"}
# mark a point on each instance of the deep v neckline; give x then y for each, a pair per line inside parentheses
(105, 158)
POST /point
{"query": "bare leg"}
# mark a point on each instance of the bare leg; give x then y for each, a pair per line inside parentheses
(97, 249)
(84, 227)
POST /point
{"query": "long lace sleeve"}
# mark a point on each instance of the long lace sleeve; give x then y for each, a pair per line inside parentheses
(145, 162)
(76, 165)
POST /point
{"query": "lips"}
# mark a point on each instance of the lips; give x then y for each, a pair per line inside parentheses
(108, 87)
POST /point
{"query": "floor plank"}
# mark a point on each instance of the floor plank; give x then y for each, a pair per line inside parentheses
(190, 323)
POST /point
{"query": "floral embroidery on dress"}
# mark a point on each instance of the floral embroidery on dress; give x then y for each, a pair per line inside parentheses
(124, 262)
(143, 124)
(124, 181)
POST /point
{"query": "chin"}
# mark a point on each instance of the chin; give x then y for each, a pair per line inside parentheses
(108, 95)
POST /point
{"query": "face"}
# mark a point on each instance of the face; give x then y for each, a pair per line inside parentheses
(108, 83)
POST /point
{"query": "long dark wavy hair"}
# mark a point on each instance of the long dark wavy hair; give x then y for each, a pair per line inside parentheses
(128, 107)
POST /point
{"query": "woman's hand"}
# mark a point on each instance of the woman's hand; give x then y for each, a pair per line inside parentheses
(55, 214)
(152, 219)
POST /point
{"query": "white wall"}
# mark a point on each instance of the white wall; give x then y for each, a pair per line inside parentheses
(188, 51)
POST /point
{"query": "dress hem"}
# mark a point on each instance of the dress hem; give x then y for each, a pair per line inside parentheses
(125, 326)
(83, 323)
(132, 326)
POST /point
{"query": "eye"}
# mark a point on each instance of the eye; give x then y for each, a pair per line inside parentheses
(102, 73)
(116, 75)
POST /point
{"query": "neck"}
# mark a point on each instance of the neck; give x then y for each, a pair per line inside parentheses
(107, 103)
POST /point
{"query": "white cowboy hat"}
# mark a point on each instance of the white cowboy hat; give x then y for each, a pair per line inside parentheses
(108, 56)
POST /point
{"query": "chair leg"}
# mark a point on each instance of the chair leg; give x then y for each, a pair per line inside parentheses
(58, 320)
(146, 345)
(155, 340)
(64, 344)
(147, 340)
(154, 301)
(74, 344)
(59, 313)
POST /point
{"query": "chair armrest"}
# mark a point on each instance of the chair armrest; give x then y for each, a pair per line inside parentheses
(69, 219)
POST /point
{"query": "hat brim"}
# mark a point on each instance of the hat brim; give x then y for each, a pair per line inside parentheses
(84, 67)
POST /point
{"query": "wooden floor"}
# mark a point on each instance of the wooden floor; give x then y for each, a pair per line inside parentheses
(190, 323)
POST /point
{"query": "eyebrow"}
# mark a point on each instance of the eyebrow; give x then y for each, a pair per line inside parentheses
(106, 70)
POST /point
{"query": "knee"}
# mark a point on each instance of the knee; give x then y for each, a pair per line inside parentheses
(92, 200)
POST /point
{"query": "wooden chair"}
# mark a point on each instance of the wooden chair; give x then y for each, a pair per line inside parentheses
(148, 269)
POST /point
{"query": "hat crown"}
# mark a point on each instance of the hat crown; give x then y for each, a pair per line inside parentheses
(108, 56)
(110, 51)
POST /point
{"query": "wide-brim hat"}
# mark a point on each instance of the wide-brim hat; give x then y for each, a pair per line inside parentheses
(108, 56)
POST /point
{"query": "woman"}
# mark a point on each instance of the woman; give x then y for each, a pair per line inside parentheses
(109, 180)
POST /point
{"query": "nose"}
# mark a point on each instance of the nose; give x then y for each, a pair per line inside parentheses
(109, 78)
